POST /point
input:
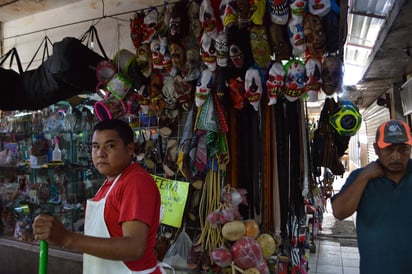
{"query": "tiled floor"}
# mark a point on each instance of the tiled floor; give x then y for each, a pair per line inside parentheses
(331, 256)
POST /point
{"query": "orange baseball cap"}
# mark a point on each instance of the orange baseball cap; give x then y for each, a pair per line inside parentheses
(393, 132)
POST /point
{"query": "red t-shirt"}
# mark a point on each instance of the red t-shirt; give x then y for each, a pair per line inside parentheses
(134, 197)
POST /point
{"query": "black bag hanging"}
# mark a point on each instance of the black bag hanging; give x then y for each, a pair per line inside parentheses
(11, 81)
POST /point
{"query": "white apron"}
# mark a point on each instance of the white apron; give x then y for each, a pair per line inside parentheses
(96, 226)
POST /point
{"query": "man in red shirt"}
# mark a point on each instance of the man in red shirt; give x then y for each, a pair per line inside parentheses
(122, 219)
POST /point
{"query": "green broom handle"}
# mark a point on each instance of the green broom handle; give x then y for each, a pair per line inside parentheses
(44, 256)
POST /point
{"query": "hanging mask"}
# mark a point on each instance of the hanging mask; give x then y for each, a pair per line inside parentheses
(167, 59)
(157, 55)
(177, 55)
(260, 45)
(157, 103)
(208, 51)
(194, 22)
(149, 25)
(144, 60)
(228, 12)
(169, 95)
(163, 20)
(236, 55)
(313, 78)
(295, 80)
(332, 75)
(314, 35)
(143, 99)
(243, 8)
(192, 68)
(178, 24)
(207, 17)
(297, 8)
(222, 49)
(257, 9)
(275, 83)
(183, 91)
(279, 42)
(319, 7)
(204, 86)
(237, 91)
(296, 38)
(279, 11)
(136, 30)
(253, 86)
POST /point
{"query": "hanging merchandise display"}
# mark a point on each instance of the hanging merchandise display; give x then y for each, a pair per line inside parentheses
(216, 93)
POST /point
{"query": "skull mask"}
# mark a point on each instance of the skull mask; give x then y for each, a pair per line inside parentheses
(253, 87)
(204, 86)
(222, 49)
(314, 35)
(276, 82)
(332, 75)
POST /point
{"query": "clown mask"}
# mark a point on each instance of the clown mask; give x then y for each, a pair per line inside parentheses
(222, 49)
(295, 80)
(314, 35)
(319, 7)
(149, 25)
(144, 60)
(314, 79)
(296, 38)
(208, 51)
(207, 17)
(297, 8)
(204, 86)
(228, 12)
(237, 91)
(332, 75)
(276, 82)
(157, 56)
(260, 45)
(253, 86)
(279, 11)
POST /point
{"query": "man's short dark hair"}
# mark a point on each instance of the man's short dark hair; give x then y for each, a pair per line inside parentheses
(122, 128)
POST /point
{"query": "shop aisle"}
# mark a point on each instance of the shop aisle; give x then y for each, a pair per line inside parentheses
(336, 244)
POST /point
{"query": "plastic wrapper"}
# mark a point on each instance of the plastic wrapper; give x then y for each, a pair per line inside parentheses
(247, 253)
(178, 252)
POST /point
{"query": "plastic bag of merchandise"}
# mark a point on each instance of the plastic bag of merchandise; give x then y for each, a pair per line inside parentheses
(178, 252)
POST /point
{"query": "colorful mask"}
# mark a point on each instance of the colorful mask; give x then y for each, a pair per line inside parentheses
(295, 80)
(222, 49)
(257, 9)
(228, 12)
(319, 7)
(144, 60)
(194, 23)
(157, 56)
(149, 25)
(155, 94)
(279, 43)
(332, 75)
(253, 86)
(275, 83)
(207, 17)
(297, 8)
(237, 91)
(183, 91)
(314, 35)
(313, 78)
(279, 11)
(136, 30)
(167, 59)
(208, 51)
(204, 86)
(177, 55)
(192, 68)
(260, 45)
(236, 55)
(295, 26)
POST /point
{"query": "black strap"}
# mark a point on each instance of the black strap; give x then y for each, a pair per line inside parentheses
(90, 35)
(46, 54)
(11, 54)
